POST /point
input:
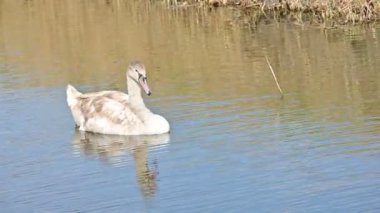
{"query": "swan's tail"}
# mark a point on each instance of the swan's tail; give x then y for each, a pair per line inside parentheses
(72, 95)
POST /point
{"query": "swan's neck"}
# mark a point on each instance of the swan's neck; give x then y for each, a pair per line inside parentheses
(135, 98)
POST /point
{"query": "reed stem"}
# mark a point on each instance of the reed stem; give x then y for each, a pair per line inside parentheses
(275, 78)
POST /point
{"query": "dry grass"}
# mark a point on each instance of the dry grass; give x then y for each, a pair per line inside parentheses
(274, 77)
(339, 11)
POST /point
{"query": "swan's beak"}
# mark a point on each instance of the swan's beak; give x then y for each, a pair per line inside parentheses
(145, 86)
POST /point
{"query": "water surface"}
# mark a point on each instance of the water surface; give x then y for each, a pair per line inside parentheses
(235, 145)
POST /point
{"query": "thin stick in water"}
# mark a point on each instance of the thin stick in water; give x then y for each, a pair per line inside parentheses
(275, 78)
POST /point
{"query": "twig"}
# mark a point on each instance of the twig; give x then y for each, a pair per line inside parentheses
(275, 78)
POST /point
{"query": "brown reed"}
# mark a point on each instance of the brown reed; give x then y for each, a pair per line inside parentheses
(340, 11)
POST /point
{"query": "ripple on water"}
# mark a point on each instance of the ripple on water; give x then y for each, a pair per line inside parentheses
(234, 145)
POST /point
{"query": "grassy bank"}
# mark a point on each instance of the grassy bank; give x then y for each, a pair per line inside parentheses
(334, 12)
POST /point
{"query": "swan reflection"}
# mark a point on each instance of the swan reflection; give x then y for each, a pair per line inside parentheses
(114, 149)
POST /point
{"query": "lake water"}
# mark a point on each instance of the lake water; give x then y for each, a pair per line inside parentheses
(235, 145)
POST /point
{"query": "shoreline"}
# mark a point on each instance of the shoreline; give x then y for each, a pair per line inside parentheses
(323, 12)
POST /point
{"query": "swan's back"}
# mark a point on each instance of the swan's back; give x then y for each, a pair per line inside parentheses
(105, 115)
(102, 112)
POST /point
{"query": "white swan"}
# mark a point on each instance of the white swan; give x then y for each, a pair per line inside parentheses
(117, 113)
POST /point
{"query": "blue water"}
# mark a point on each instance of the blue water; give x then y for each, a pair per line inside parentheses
(238, 158)
(234, 146)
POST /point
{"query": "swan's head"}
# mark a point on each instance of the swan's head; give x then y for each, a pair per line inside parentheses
(136, 71)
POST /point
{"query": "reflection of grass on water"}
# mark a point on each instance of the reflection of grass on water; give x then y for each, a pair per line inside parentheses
(320, 11)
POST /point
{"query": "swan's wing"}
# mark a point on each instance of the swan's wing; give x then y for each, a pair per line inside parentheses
(102, 107)
(118, 96)
(114, 95)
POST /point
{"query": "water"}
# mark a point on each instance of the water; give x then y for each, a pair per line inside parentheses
(235, 144)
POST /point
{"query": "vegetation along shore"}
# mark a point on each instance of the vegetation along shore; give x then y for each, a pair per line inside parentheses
(330, 12)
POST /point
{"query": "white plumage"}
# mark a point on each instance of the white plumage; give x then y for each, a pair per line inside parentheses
(114, 112)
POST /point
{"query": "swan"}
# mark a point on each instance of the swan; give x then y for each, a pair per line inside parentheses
(117, 113)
